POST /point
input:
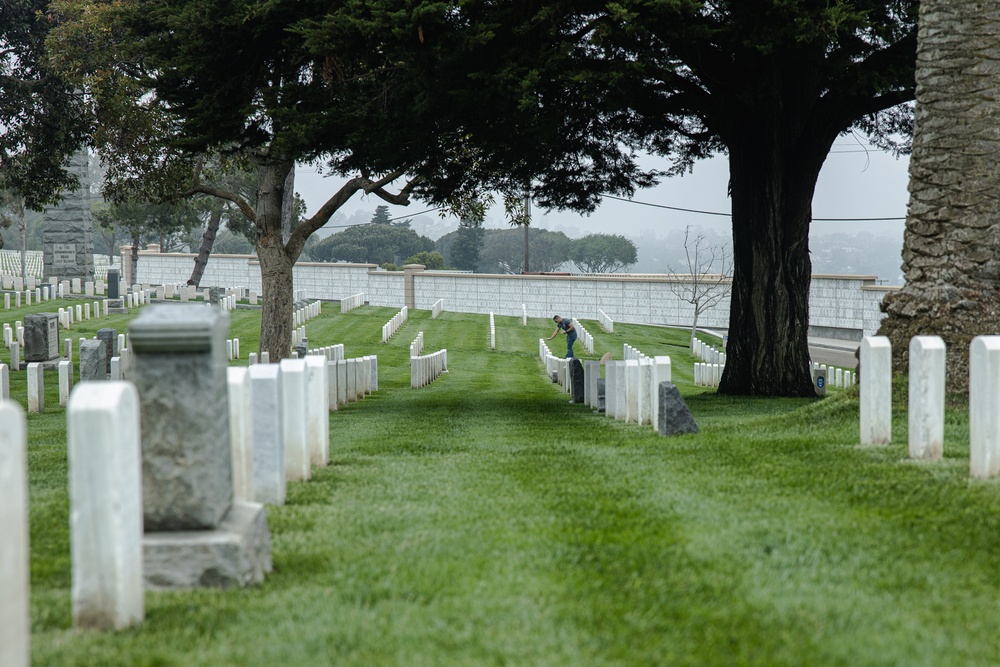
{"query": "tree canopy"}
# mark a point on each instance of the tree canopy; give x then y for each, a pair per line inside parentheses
(772, 84)
(403, 99)
(41, 118)
(372, 244)
(503, 250)
(603, 253)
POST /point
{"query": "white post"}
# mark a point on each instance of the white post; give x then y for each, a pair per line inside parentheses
(36, 388)
(240, 389)
(105, 487)
(661, 373)
(293, 397)
(926, 397)
(342, 380)
(318, 408)
(352, 378)
(331, 384)
(268, 434)
(15, 574)
(646, 391)
(4, 382)
(876, 391)
(65, 382)
(984, 406)
(631, 390)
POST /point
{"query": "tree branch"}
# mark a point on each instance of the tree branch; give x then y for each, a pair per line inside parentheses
(244, 207)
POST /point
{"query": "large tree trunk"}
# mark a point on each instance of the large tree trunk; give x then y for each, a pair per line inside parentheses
(275, 262)
(953, 226)
(772, 189)
(207, 241)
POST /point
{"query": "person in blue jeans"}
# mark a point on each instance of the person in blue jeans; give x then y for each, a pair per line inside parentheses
(565, 325)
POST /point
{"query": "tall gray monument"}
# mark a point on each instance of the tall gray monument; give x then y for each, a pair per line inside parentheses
(67, 239)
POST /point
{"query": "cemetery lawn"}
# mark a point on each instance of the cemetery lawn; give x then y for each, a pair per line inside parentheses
(485, 520)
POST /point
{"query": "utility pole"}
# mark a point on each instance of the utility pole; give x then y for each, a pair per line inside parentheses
(527, 227)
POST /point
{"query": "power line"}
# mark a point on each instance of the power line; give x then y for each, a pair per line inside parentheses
(371, 222)
(729, 215)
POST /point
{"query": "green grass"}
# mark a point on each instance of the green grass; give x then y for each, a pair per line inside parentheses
(484, 520)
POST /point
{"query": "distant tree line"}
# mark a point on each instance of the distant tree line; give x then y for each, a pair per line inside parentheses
(472, 248)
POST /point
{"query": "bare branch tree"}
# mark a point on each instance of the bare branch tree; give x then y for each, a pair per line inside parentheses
(708, 279)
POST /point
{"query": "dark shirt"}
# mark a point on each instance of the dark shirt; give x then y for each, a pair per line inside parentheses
(566, 324)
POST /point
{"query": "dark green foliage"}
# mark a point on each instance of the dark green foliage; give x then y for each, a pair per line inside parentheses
(381, 216)
(432, 260)
(228, 243)
(464, 246)
(373, 244)
(603, 253)
(145, 222)
(503, 250)
(41, 119)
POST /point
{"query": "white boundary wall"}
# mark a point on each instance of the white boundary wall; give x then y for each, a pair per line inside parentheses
(840, 306)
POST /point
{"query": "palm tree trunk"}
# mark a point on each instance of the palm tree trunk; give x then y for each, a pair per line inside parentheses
(952, 232)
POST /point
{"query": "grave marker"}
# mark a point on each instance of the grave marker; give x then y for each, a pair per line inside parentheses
(36, 388)
(926, 397)
(984, 406)
(92, 361)
(195, 534)
(15, 575)
(294, 409)
(241, 431)
(41, 337)
(876, 391)
(106, 499)
(65, 382)
(318, 409)
(268, 434)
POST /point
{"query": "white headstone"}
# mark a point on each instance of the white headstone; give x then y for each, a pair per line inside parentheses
(36, 388)
(15, 575)
(926, 397)
(342, 381)
(352, 377)
(876, 391)
(268, 434)
(661, 373)
(331, 373)
(241, 431)
(106, 522)
(984, 406)
(318, 408)
(293, 398)
(4, 382)
(632, 399)
(65, 381)
(647, 391)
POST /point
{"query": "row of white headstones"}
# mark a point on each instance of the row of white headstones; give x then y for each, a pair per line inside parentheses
(425, 368)
(299, 318)
(926, 399)
(54, 286)
(631, 386)
(585, 338)
(708, 372)
(390, 328)
(349, 303)
(606, 322)
(279, 428)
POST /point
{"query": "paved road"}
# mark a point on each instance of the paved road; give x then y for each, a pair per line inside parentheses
(839, 354)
